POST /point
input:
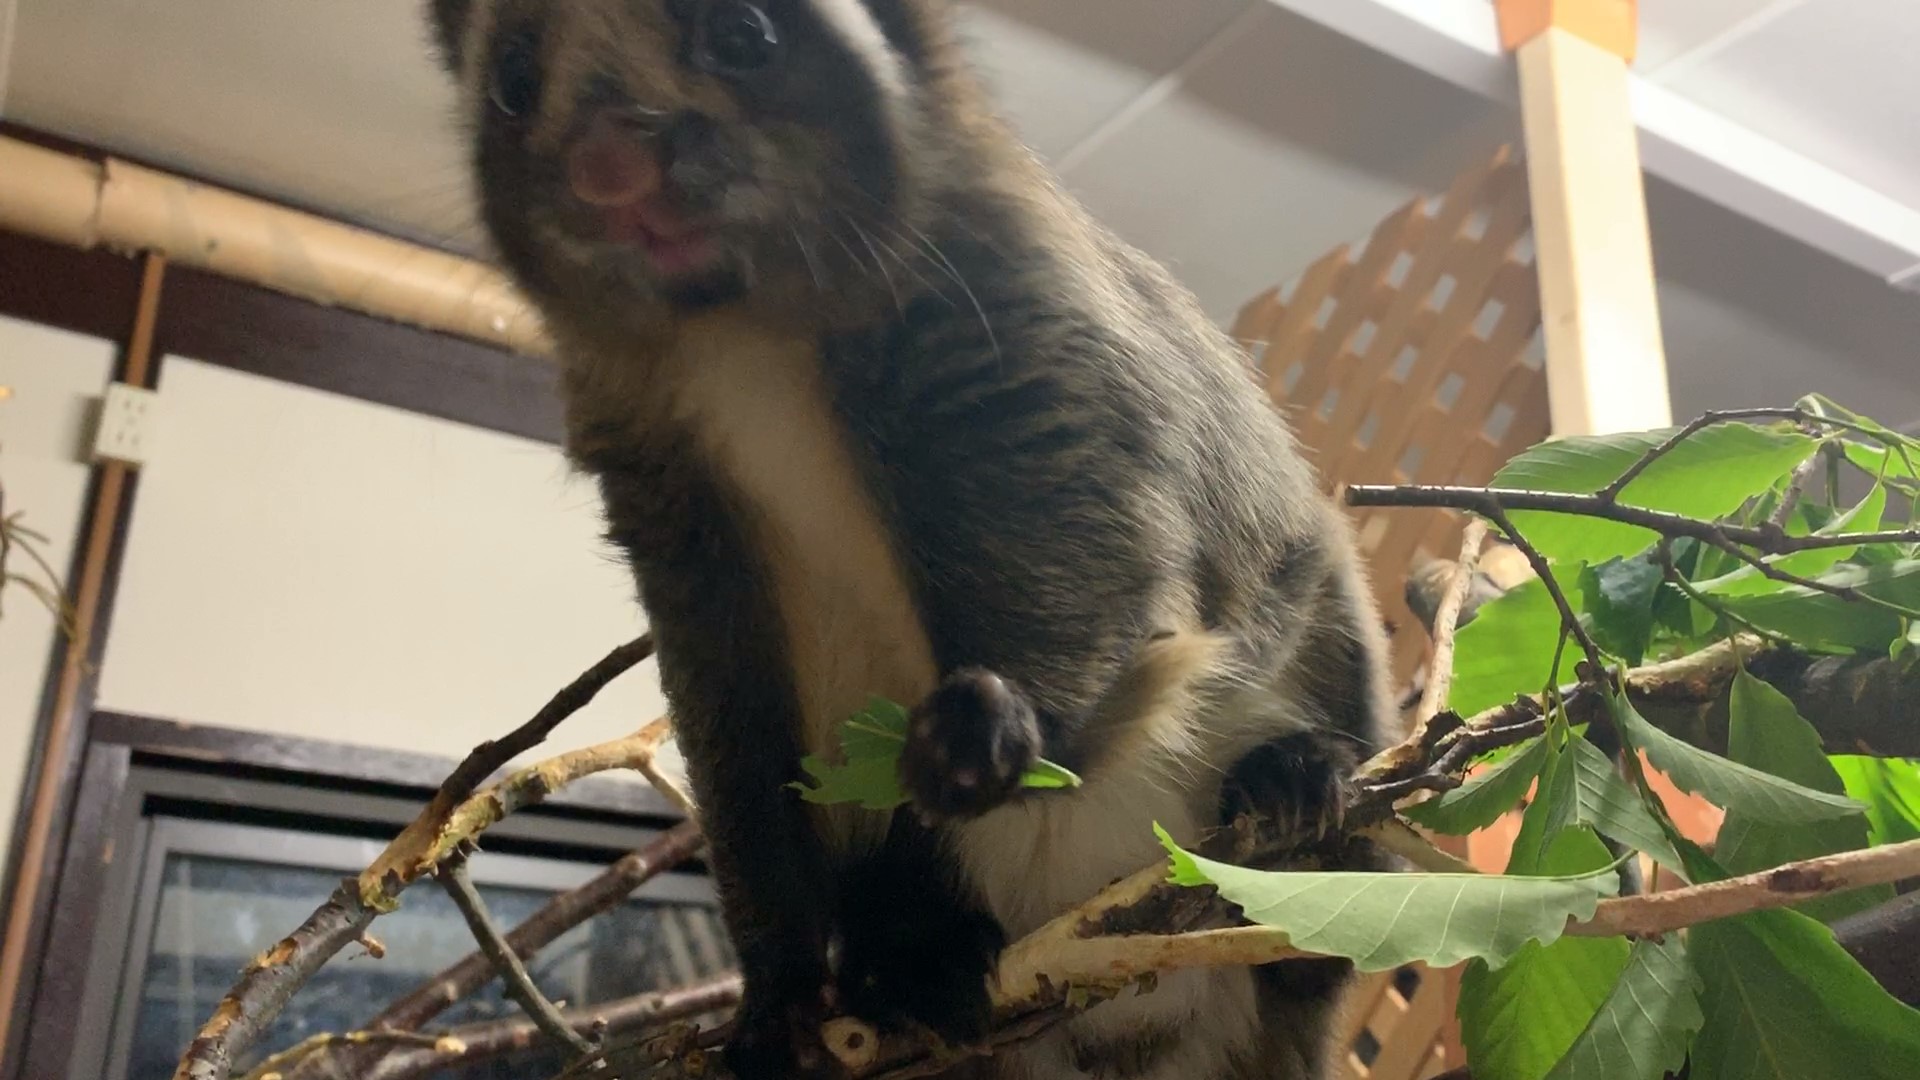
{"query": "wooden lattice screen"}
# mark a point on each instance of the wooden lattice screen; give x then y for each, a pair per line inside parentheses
(1413, 360)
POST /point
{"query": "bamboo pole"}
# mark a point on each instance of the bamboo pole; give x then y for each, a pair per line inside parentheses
(1606, 366)
(126, 207)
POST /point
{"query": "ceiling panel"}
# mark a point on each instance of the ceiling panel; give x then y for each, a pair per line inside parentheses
(1835, 80)
(1060, 72)
(1292, 140)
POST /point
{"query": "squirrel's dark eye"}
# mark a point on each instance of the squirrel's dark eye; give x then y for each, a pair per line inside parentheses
(736, 38)
(514, 84)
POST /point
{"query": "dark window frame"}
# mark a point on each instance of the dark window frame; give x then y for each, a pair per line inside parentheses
(137, 773)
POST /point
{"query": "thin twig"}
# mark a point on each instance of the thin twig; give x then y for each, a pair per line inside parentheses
(1488, 501)
(1693, 427)
(1446, 624)
(1671, 572)
(1596, 660)
(472, 1044)
(1843, 592)
(563, 912)
(520, 986)
(279, 1063)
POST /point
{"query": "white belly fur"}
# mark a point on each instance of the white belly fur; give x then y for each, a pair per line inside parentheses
(852, 628)
(853, 632)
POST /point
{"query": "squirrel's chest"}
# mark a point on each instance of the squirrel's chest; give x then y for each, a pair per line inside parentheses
(759, 406)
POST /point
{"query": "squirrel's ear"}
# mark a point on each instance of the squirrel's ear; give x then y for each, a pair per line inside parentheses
(450, 29)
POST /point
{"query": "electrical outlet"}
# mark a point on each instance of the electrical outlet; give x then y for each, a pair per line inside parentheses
(128, 416)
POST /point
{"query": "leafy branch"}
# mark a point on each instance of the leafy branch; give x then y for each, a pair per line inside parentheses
(1738, 635)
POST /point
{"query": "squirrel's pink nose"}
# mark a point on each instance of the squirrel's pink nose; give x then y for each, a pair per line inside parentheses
(611, 166)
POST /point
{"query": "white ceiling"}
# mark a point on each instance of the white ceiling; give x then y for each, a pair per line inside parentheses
(1234, 139)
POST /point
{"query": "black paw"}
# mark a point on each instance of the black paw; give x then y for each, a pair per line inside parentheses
(1291, 791)
(925, 975)
(968, 745)
(781, 1042)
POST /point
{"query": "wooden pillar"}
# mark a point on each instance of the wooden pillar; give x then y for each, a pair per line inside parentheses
(62, 732)
(1606, 367)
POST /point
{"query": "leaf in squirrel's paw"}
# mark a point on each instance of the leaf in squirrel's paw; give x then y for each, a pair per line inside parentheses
(869, 772)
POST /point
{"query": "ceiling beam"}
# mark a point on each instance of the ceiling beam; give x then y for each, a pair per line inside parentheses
(1693, 147)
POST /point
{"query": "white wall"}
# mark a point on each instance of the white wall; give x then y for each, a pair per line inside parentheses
(54, 377)
(308, 564)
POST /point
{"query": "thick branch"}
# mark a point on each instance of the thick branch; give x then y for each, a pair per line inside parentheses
(270, 981)
(1886, 941)
(410, 856)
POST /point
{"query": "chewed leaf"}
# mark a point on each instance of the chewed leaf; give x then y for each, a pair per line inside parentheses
(1381, 921)
(870, 744)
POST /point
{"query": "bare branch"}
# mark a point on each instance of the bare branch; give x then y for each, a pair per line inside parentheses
(475, 1043)
(1488, 501)
(272, 979)
(1446, 625)
(520, 986)
(557, 916)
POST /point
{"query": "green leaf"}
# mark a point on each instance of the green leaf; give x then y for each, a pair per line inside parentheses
(1046, 774)
(1586, 789)
(1767, 733)
(868, 774)
(1642, 1030)
(1891, 789)
(1381, 921)
(1865, 516)
(1819, 621)
(1707, 476)
(1480, 801)
(1783, 1001)
(1728, 784)
(1556, 988)
(1618, 594)
(1507, 650)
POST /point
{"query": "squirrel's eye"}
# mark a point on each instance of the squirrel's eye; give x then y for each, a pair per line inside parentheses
(736, 38)
(514, 84)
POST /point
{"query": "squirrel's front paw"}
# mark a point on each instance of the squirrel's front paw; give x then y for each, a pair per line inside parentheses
(968, 745)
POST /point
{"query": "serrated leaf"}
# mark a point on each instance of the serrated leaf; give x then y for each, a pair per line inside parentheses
(1727, 784)
(1480, 801)
(1819, 621)
(1507, 650)
(1618, 596)
(1643, 1029)
(1890, 788)
(1864, 516)
(1518, 1021)
(1766, 732)
(1783, 1001)
(1556, 988)
(1586, 789)
(1381, 921)
(868, 774)
(1707, 476)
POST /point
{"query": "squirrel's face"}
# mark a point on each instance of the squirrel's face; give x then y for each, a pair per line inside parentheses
(641, 156)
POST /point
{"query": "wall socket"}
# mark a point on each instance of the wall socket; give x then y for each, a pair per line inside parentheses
(128, 416)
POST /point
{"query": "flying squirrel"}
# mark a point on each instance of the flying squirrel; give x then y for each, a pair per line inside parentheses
(876, 409)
